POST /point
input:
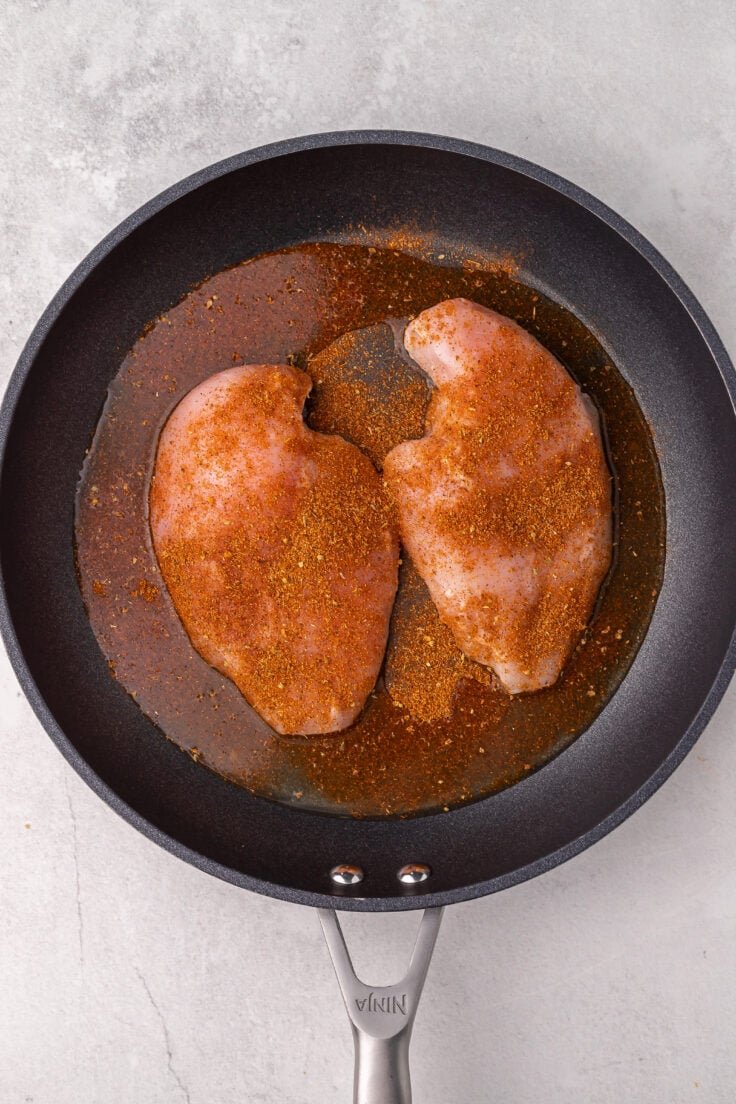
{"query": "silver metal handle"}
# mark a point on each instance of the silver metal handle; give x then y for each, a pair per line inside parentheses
(382, 1016)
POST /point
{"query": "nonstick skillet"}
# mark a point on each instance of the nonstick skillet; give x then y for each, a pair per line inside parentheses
(584, 257)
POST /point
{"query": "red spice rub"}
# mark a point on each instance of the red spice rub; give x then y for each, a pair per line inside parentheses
(505, 505)
(366, 391)
(424, 666)
(277, 547)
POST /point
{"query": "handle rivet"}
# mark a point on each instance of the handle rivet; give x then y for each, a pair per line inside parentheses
(414, 873)
(346, 874)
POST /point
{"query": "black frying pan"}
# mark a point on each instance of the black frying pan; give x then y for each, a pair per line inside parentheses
(579, 253)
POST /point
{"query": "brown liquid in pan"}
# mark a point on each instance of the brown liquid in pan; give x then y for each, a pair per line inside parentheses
(396, 759)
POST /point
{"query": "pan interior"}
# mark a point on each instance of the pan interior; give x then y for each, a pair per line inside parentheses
(484, 204)
(437, 731)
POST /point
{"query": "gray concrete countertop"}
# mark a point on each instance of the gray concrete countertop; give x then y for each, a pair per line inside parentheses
(128, 977)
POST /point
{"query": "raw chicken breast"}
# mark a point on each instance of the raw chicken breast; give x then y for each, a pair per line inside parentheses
(276, 546)
(505, 504)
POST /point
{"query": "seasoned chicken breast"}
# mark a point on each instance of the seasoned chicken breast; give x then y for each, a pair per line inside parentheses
(277, 548)
(505, 504)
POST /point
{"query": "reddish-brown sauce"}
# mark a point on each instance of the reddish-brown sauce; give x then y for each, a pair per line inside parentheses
(404, 754)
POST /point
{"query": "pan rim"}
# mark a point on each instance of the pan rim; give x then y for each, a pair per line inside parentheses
(59, 302)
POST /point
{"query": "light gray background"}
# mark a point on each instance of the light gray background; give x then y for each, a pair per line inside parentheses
(126, 976)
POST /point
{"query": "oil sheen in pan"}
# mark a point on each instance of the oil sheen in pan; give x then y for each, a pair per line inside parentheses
(291, 305)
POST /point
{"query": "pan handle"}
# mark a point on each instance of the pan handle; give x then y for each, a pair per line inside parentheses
(381, 1016)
